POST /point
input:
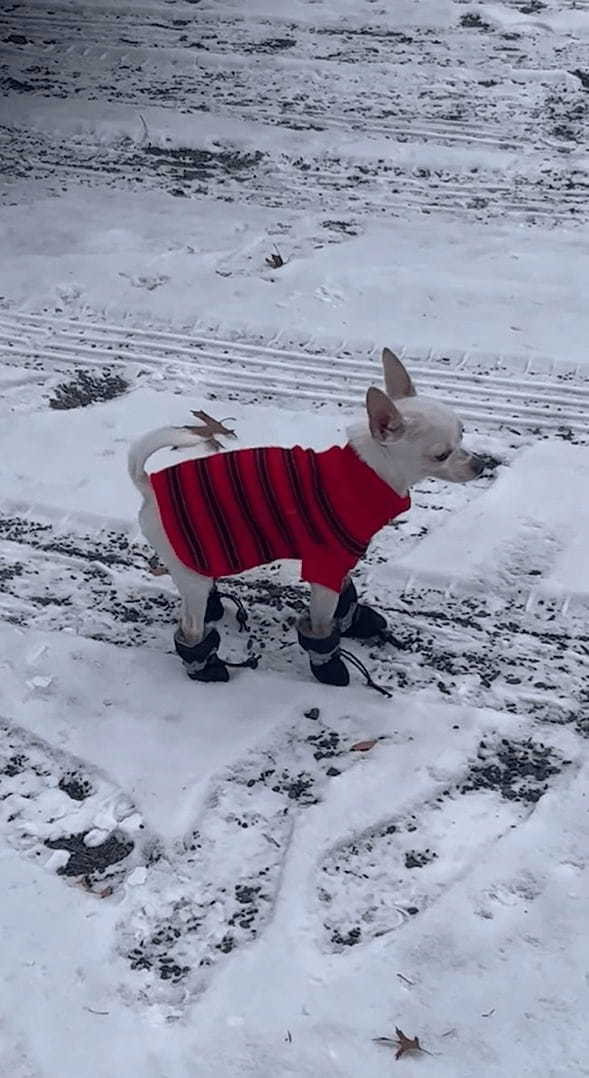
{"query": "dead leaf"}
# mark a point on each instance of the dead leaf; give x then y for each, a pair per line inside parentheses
(213, 426)
(210, 429)
(406, 1044)
(276, 260)
(488, 1013)
(403, 1044)
(106, 892)
(363, 746)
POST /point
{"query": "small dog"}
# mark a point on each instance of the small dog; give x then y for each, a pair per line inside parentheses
(220, 514)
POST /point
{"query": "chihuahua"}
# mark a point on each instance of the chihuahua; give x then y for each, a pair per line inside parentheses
(218, 515)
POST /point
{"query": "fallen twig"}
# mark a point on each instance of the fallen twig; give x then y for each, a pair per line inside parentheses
(145, 130)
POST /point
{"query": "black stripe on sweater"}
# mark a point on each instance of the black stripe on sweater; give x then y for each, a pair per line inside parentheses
(223, 532)
(338, 528)
(272, 501)
(183, 517)
(299, 496)
(235, 477)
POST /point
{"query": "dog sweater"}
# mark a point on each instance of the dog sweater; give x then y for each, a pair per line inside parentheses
(233, 511)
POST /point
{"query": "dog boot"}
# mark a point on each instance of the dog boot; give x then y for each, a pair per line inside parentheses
(201, 660)
(326, 662)
(356, 619)
(214, 611)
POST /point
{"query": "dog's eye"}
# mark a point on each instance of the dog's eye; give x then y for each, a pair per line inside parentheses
(443, 456)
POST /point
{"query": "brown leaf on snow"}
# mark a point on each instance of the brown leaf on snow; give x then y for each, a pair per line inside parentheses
(363, 746)
(403, 1044)
(406, 1044)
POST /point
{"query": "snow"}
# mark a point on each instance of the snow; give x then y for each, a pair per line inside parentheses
(213, 880)
(538, 494)
(519, 292)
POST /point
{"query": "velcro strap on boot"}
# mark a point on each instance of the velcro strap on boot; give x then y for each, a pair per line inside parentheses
(347, 606)
(197, 655)
(320, 649)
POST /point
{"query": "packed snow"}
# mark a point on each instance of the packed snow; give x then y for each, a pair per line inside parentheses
(272, 877)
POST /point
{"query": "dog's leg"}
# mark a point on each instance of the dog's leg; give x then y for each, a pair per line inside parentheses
(322, 609)
(193, 588)
(194, 592)
(196, 642)
(319, 636)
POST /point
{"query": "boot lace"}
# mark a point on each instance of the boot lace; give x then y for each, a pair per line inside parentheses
(240, 613)
(355, 661)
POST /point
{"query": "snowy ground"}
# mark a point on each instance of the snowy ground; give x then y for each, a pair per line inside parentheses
(215, 881)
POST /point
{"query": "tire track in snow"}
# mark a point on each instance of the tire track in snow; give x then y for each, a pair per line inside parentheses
(328, 183)
(537, 394)
(477, 87)
(222, 64)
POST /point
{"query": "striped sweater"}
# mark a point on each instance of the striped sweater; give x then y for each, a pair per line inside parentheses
(233, 511)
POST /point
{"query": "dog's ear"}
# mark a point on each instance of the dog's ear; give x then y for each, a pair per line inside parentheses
(386, 421)
(398, 383)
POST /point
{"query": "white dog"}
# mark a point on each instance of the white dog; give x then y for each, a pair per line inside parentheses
(217, 515)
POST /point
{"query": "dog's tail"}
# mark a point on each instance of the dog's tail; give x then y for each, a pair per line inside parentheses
(162, 438)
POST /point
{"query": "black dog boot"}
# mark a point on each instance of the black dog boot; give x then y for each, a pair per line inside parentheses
(201, 660)
(214, 611)
(326, 662)
(356, 619)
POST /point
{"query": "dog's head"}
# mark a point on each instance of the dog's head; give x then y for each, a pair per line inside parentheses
(414, 436)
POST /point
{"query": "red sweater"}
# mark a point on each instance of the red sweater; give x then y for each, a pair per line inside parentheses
(232, 511)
